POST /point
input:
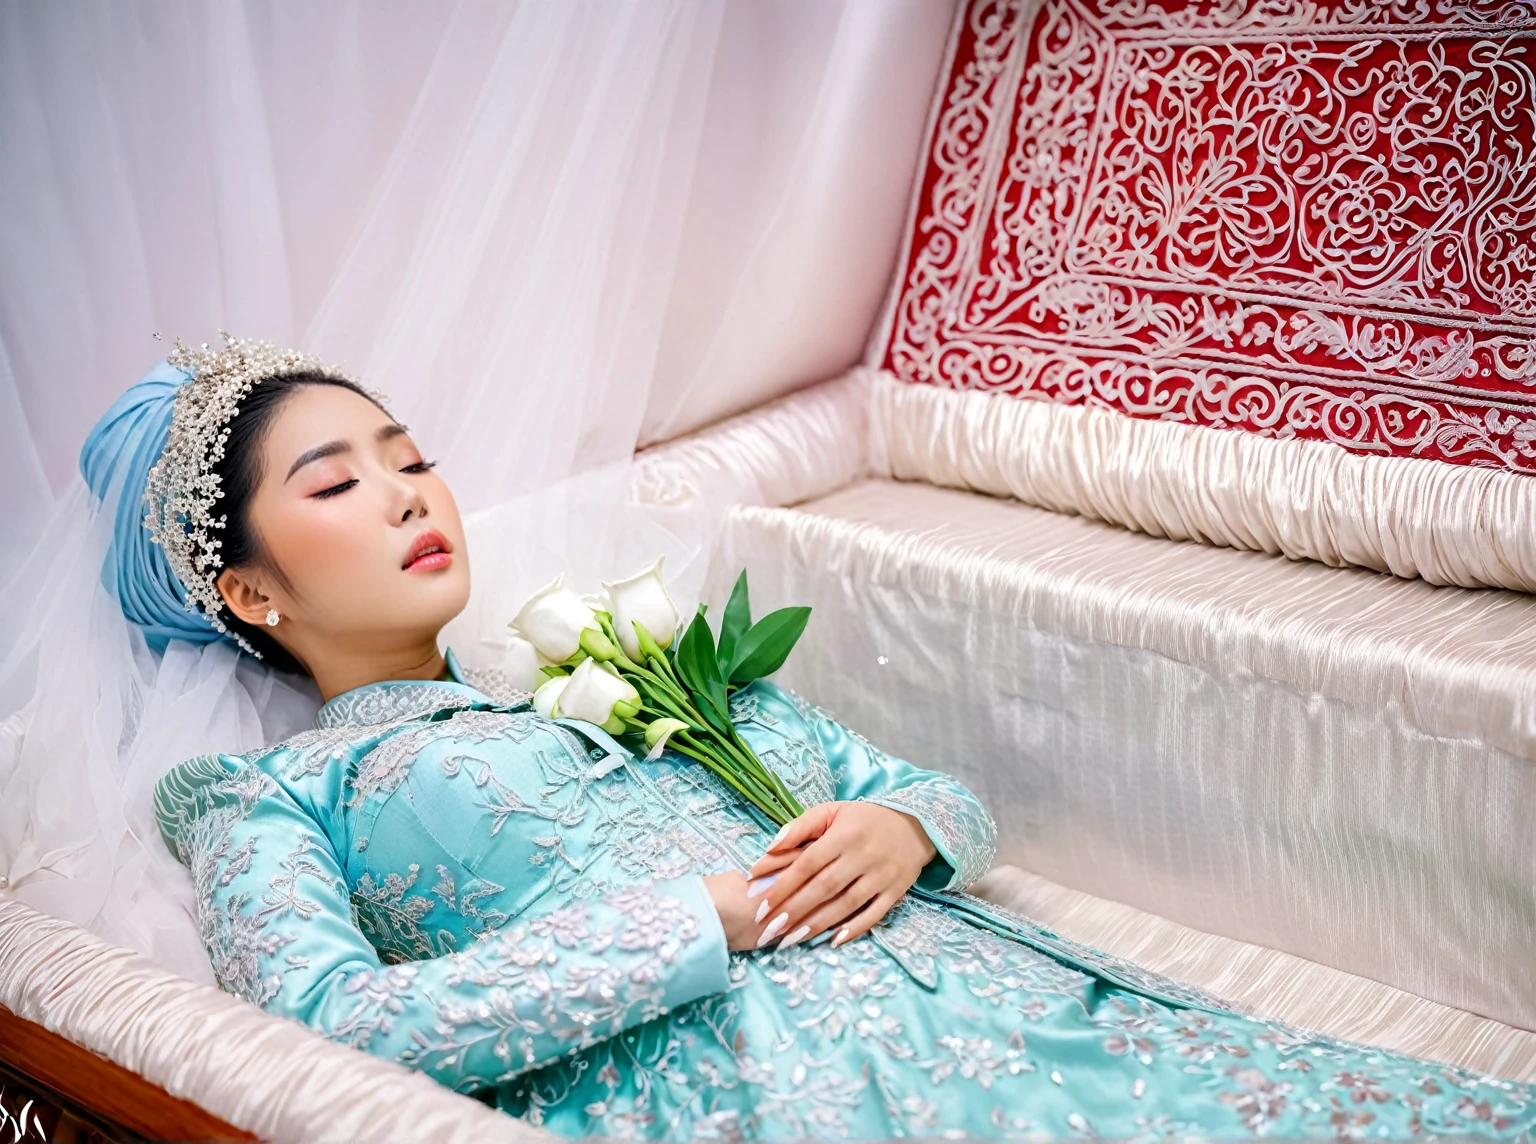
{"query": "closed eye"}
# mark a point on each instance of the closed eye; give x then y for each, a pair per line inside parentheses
(335, 489)
(419, 467)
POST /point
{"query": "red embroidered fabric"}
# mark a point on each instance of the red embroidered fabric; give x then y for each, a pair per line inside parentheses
(1302, 218)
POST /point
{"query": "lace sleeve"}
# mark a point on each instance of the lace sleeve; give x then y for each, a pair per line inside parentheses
(276, 918)
(958, 825)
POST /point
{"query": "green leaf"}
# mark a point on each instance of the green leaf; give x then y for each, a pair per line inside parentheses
(699, 670)
(696, 639)
(734, 623)
(767, 644)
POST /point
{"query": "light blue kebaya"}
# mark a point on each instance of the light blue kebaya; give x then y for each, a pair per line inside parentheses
(515, 906)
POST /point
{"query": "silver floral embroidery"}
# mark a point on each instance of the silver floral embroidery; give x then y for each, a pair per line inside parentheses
(384, 768)
(393, 919)
(539, 992)
(389, 703)
(379, 994)
(494, 683)
(561, 1010)
(954, 818)
(390, 917)
(239, 944)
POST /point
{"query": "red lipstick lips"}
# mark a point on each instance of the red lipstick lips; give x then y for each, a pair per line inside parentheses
(429, 553)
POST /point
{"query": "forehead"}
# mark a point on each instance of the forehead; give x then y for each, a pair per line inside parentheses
(314, 414)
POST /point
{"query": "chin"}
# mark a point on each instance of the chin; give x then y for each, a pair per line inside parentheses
(438, 600)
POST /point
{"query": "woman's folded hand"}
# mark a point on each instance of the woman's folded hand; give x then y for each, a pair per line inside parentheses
(842, 864)
(736, 910)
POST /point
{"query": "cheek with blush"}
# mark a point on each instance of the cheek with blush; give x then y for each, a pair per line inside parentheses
(326, 558)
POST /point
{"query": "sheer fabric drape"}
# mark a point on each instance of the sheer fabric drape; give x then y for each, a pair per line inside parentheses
(549, 232)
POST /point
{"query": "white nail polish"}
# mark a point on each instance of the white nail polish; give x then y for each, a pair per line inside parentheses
(760, 885)
(762, 911)
(783, 830)
(842, 936)
(773, 929)
(797, 936)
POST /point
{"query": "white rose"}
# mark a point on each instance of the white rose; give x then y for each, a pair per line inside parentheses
(547, 696)
(521, 662)
(553, 619)
(642, 597)
(592, 694)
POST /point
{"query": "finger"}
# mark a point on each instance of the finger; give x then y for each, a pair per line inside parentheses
(833, 879)
(807, 866)
(808, 862)
(773, 863)
(866, 919)
(807, 828)
(839, 908)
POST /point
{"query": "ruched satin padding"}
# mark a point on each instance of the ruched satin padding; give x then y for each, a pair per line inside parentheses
(1444, 523)
(1324, 761)
(797, 447)
(271, 1077)
(1271, 984)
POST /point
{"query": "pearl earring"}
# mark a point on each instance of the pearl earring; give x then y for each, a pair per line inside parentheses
(272, 617)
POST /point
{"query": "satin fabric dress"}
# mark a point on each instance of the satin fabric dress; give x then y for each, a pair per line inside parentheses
(516, 907)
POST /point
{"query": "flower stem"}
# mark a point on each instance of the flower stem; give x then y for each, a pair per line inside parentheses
(726, 754)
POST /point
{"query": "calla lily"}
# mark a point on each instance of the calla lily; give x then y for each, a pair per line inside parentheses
(657, 734)
(642, 597)
(547, 697)
(598, 696)
(624, 662)
(553, 620)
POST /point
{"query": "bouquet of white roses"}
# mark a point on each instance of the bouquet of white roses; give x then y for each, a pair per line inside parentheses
(615, 661)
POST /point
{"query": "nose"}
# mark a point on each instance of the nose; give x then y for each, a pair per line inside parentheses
(410, 502)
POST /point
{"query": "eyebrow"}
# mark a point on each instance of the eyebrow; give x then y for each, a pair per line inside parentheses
(319, 452)
(332, 448)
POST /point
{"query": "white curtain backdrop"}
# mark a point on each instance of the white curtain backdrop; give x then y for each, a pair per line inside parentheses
(550, 231)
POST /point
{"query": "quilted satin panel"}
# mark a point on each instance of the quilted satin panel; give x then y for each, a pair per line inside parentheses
(1301, 218)
(1322, 761)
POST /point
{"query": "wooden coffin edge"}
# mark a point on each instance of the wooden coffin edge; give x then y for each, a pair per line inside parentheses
(106, 1092)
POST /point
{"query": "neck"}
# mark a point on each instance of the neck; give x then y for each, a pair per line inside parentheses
(341, 674)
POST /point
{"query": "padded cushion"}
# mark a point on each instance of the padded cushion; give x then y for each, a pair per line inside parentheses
(1288, 754)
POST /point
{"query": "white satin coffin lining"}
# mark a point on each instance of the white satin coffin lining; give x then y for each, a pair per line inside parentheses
(1275, 751)
(1456, 662)
(786, 451)
(272, 1077)
(1308, 500)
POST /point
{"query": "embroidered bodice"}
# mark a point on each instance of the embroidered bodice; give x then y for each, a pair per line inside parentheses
(418, 818)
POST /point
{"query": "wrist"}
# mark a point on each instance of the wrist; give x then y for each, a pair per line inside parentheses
(917, 835)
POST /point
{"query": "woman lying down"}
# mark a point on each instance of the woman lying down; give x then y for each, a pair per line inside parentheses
(440, 876)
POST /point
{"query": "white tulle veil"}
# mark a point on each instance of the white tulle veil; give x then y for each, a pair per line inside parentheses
(95, 717)
(550, 233)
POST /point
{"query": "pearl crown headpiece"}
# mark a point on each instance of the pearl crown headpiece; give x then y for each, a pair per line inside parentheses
(183, 486)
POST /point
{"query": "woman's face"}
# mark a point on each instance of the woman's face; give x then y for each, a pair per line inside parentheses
(366, 538)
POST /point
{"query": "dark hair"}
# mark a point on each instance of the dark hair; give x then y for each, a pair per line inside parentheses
(239, 472)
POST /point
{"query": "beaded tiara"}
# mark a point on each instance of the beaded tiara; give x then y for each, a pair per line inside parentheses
(183, 487)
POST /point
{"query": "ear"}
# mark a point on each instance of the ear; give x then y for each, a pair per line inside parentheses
(243, 596)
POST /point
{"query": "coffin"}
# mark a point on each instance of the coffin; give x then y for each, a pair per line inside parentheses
(1182, 508)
